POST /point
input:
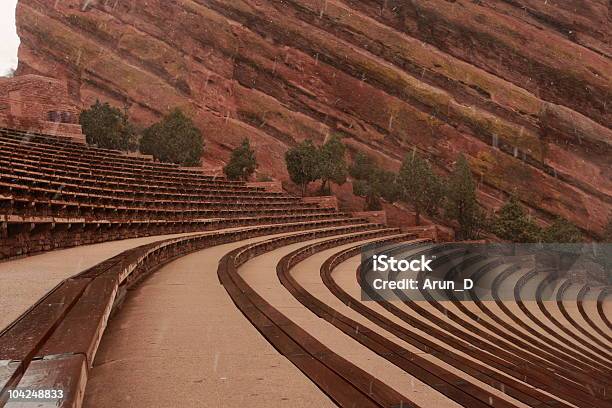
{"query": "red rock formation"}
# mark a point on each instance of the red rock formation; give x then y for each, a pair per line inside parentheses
(39, 104)
(521, 87)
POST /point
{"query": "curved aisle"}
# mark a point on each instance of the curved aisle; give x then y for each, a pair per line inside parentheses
(25, 280)
(179, 341)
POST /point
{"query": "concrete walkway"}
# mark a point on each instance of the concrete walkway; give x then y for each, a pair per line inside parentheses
(23, 281)
(179, 341)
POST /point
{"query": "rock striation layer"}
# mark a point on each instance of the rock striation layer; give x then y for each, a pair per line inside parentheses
(521, 87)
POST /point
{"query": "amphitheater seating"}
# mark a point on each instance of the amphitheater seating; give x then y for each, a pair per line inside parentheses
(497, 322)
(56, 193)
(293, 271)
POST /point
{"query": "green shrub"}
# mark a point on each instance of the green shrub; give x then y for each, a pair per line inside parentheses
(420, 186)
(561, 231)
(461, 203)
(512, 224)
(242, 162)
(174, 139)
(302, 163)
(106, 126)
(332, 163)
(372, 182)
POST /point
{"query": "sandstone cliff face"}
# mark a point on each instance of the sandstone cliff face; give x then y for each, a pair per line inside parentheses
(522, 87)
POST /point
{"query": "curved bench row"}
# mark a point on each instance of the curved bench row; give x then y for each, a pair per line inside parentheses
(342, 381)
(515, 328)
(554, 311)
(135, 188)
(64, 200)
(590, 316)
(60, 334)
(442, 380)
(595, 368)
(485, 337)
(509, 371)
(528, 364)
(541, 334)
(56, 193)
(518, 323)
(93, 157)
(37, 234)
(507, 317)
(474, 362)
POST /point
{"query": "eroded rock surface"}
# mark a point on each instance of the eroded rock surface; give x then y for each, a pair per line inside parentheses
(522, 87)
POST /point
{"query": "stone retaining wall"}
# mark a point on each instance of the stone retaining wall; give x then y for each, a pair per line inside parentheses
(378, 217)
(323, 201)
(271, 186)
(39, 104)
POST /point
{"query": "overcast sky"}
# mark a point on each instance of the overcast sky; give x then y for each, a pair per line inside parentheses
(9, 42)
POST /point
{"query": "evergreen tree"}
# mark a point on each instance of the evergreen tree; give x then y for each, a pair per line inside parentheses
(387, 185)
(373, 183)
(242, 162)
(107, 127)
(561, 231)
(302, 163)
(363, 165)
(461, 200)
(175, 139)
(363, 170)
(332, 163)
(511, 223)
(420, 186)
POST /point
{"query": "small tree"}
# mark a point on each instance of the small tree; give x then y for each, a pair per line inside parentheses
(363, 188)
(386, 185)
(242, 162)
(461, 200)
(363, 171)
(332, 163)
(363, 165)
(420, 186)
(302, 163)
(106, 126)
(561, 231)
(175, 139)
(373, 183)
(511, 223)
